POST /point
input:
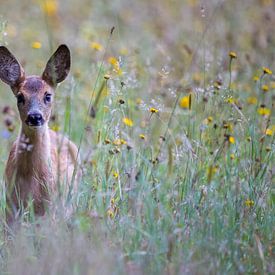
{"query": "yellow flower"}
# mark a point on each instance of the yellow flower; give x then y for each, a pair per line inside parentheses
(123, 51)
(266, 70)
(211, 171)
(142, 136)
(153, 110)
(227, 125)
(210, 119)
(114, 62)
(110, 213)
(232, 156)
(127, 121)
(265, 88)
(107, 76)
(197, 77)
(256, 78)
(55, 127)
(50, 7)
(269, 132)
(231, 100)
(232, 55)
(252, 100)
(115, 174)
(185, 102)
(231, 139)
(138, 101)
(263, 111)
(36, 45)
(119, 141)
(96, 46)
(249, 203)
(107, 141)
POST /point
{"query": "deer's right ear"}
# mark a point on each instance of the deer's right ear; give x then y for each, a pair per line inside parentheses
(11, 71)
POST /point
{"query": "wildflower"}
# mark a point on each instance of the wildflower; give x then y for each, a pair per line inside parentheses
(263, 111)
(232, 55)
(123, 51)
(50, 7)
(153, 110)
(119, 141)
(210, 119)
(232, 156)
(228, 126)
(211, 171)
(96, 46)
(266, 70)
(197, 78)
(185, 102)
(256, 78)
(113, 201)
(110, 213)
(155, 161)
(231, 100)
(55, 127)
(252, 100)
(93, 162)
(127, 121)
(269, 132)
(114, 62)
(231, 139)
(265, 88)
(107, 76)
(249, 203)
(115, 174)
(36, 45)
(217, 85)
(9, 124)
(138, 101)
(106, 109)
(142, 136)
(107, 141)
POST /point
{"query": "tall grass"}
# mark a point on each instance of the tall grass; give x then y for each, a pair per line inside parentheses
(185, 185)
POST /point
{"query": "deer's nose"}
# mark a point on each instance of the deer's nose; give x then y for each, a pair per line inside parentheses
(35, 119)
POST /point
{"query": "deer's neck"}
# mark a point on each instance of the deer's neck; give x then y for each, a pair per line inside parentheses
(34, 149)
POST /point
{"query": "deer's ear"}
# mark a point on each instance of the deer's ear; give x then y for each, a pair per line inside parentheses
(11, 71)
(58, 66)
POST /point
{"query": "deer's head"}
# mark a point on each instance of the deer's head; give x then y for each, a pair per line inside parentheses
(34, 93)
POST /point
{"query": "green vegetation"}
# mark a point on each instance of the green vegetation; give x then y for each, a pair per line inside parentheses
(173, 111)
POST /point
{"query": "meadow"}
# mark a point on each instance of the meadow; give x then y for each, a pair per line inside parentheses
(171, 103)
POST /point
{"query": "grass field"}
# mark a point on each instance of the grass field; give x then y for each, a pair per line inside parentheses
(173, 112)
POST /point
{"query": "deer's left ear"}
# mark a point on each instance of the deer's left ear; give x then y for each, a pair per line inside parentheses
(58, 66)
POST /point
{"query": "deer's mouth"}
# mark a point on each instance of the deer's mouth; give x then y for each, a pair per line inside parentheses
(36, 125)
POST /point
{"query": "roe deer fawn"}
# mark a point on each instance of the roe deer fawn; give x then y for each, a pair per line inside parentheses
(40, 157)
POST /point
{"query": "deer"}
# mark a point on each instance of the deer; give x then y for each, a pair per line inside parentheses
(40, 158)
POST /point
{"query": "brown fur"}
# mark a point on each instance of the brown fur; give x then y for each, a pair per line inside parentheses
(40, 158)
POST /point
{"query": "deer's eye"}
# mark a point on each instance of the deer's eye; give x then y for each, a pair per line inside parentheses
(47, 98)
(20, 99)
